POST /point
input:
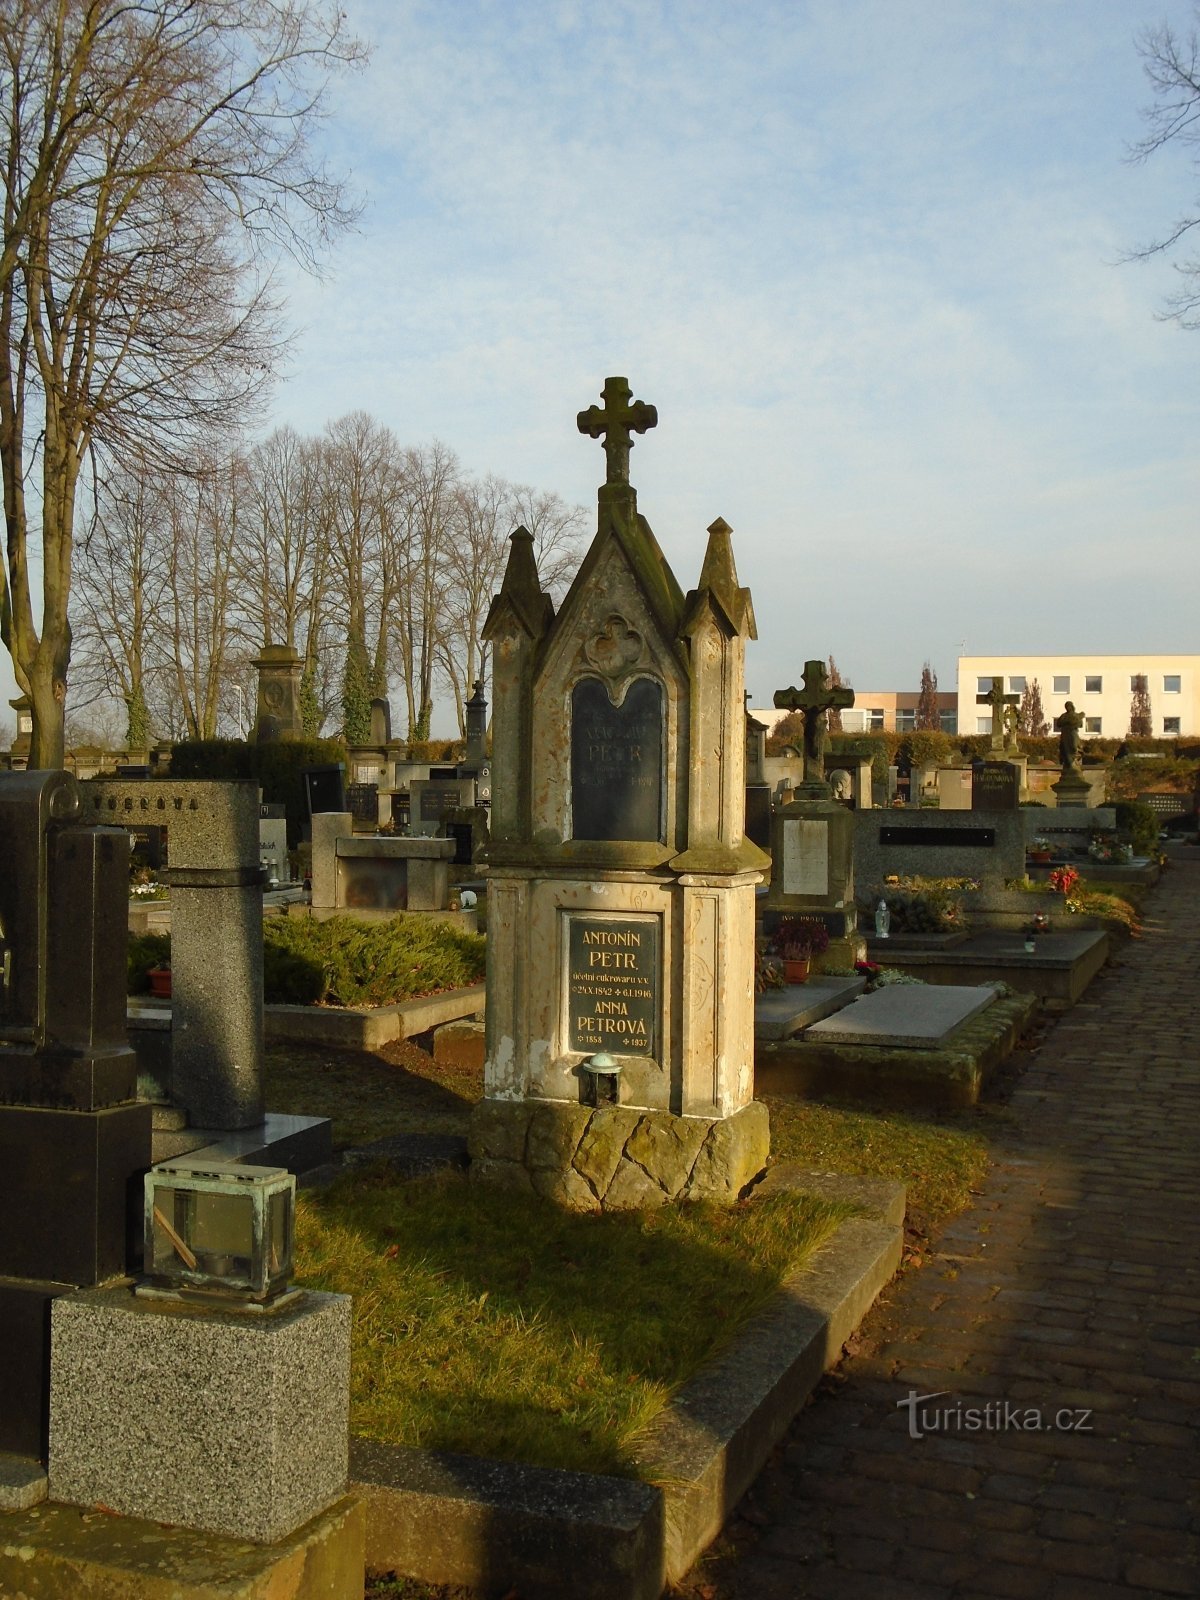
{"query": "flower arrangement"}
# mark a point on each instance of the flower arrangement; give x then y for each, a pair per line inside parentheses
(1105, 848)
(800, 938)
(149, 890)
(1064, 879)
(767, 972)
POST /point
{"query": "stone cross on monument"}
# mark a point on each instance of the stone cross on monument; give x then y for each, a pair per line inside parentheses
(614, 419)
(997, 699)
(815, 700)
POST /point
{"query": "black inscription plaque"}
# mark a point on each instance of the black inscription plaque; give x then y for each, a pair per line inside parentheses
(968, 838)
(616, 762)
(995, 786)
(437, 799)
(612, 984)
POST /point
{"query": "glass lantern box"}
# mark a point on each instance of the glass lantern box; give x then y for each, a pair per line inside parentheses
(219, 1231)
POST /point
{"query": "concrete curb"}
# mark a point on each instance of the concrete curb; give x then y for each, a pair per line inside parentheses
(492, 1524)
(368, 1028)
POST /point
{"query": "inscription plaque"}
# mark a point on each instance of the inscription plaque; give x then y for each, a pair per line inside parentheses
(616, 762)
(612, 984)
(966, 838)
(995, 786)
(805, 857)
(437, 799)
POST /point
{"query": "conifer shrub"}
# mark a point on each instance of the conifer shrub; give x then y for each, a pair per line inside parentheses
(344, 962)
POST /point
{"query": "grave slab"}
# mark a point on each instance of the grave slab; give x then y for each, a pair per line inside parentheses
(779, 1013)
(908, 1016)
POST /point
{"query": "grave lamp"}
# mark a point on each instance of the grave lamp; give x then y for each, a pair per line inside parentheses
(220, 1232)
(602, 1085)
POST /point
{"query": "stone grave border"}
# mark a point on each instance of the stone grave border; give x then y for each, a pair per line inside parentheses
(348, 1028)
(491, 1524)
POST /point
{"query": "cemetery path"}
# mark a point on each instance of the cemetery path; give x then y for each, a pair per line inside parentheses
(1058, 1326)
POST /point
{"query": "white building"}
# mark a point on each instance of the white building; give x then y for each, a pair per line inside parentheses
(1100, 687)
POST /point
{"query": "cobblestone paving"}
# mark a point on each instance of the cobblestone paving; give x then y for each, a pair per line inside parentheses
(1072, 1287)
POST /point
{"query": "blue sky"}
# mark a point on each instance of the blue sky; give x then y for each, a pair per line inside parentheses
(862, 255)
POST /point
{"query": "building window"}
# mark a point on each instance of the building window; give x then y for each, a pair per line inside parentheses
(875, 718)
(1170, 724)
(1091, 724)
(983, 686)
(1016, 685)
(1093, 685)
(1062, 686)
(948, 721)
(1171, 683)
(983, 724)
(906, 721)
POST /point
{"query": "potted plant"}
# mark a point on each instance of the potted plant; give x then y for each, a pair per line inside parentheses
(1040, 851)
(796, 941)
(160, 982)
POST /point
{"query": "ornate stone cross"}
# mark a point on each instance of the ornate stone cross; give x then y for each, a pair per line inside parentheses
(818, 697)
(614, 419)
(997, 699)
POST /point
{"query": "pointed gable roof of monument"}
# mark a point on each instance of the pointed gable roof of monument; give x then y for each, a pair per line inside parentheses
(521, 599)
(719, 587)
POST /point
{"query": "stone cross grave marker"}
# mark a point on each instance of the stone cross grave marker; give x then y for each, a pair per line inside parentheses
(619, 413)
(997, 699)
(815, 700)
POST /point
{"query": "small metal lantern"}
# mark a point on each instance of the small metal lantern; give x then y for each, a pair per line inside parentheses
(220, 1232)
(602, 1083)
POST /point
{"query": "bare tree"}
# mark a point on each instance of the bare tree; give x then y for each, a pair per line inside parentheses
(120, 594)
(431, 514)
(157, 155)
(204, 512)
(1172, 65)
(927, 715)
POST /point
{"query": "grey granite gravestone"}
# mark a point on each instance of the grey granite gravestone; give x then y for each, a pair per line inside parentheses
(216, 879)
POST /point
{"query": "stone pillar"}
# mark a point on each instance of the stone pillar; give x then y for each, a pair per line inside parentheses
(278, 713)
(216, 936)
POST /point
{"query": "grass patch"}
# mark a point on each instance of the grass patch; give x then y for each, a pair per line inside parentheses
(370, 1095)
(497, 1325)
(941, 1163)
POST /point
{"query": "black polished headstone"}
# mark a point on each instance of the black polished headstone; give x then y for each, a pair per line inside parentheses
(324, 789)
(995, 786)
(616, 762)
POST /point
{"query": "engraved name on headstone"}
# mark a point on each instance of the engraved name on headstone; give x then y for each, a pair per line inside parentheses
(616, 761)
(612, 984)
(995, 786)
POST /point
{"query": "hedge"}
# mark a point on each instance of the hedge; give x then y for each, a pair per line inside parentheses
(344, 961)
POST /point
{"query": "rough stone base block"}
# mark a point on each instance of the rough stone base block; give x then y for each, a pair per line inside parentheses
(231, 1423)
(616, 1158)
(53, 1552)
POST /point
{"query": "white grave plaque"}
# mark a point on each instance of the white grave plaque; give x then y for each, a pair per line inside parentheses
(805, 857)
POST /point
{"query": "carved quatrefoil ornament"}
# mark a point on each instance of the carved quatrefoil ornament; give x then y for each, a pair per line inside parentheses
(616, 649)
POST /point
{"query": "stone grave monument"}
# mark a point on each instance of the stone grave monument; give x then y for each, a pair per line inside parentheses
(812, 834)
(278, 713)
(995, 786)
(1072, 788)
(999, 702)
(73, 1137)
(620, 1009)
